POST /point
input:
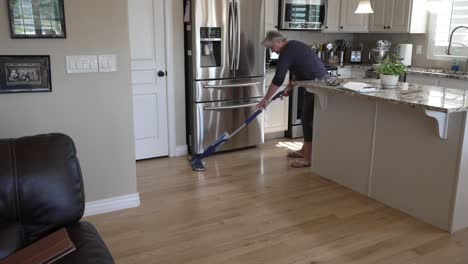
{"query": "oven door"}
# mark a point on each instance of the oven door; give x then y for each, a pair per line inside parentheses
(214, 118)
(301, 14)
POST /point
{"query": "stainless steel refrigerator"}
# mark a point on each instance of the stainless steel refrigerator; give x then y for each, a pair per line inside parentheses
(225, 68)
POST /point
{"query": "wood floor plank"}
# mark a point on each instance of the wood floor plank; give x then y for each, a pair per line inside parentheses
(250, 207)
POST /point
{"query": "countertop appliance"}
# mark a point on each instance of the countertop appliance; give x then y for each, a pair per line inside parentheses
(356, 56)
(225, 68)
(405, 52)
(301, 14)
(295, 107)
(380, 52)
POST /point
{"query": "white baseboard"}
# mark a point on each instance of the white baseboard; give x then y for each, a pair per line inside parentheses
(181, 151)
(112, 204)
(274, 135)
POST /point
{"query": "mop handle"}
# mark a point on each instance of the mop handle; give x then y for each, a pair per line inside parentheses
(256, 114)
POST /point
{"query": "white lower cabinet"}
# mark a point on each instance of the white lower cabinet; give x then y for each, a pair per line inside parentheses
(435, 81)
(276, 114)
(453, 83)
(351, 72)
(344, 73)
(420, 79)
(358, 73)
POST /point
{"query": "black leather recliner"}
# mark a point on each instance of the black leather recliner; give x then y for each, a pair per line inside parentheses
(41, 191)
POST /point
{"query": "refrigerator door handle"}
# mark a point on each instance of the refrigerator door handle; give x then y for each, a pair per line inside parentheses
(231, 85)
(207, 108)
(238, 33)
(231, 35)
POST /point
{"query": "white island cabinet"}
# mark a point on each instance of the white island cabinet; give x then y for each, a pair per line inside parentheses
(407, 148)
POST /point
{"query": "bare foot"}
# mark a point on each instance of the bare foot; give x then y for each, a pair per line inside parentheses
(300, 163)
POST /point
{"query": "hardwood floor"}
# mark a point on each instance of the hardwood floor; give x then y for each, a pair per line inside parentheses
(251, 207)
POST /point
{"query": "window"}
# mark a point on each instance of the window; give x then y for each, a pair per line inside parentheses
(446, 15)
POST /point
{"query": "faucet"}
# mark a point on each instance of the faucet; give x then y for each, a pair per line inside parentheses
(451, 37)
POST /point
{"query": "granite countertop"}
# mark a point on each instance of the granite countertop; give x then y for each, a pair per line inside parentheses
(439, 73)
(446, 100)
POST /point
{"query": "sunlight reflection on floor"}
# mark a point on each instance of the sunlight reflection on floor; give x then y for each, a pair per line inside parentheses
(290, 145)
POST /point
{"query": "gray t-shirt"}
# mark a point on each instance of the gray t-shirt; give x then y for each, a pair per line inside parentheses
(301, 61)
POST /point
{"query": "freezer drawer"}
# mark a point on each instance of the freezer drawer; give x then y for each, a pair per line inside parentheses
(213, 119)
(222, 90)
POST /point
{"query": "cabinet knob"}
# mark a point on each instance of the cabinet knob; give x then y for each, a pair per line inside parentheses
(389, 27)
(385, 27)
(161, 74)
(326, 27)
(341, 27)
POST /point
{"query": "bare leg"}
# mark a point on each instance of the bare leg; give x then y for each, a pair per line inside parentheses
(306, 118)
(307, 148)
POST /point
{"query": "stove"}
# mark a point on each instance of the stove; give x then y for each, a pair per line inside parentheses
(295, 107)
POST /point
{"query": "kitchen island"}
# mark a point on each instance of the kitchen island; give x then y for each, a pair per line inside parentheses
(406, 147)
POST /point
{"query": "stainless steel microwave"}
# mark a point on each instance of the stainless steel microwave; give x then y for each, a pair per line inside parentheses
(301, 14)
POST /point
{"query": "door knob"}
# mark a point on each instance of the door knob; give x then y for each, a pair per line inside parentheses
(161, 74)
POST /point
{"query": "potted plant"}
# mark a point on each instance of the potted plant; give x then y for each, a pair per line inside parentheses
(389, 72)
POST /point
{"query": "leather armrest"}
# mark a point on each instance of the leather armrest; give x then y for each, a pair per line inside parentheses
(10, 239)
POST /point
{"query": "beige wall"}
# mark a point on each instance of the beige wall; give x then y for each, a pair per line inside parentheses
(179, 74)
(94, 109)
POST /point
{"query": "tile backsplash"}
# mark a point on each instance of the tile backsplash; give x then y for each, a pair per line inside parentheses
(311, 37)
(369, 41)
(419, 60)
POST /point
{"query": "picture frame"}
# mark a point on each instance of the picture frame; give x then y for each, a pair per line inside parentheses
(31, 19)
(25, 74)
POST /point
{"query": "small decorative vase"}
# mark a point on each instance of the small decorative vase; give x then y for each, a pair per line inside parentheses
(389, 81)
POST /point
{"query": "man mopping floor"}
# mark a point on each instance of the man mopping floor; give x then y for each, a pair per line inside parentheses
(303, 64)
(196, 161)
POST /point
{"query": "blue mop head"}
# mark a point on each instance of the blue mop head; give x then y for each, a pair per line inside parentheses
(197, 164)
(196, 161)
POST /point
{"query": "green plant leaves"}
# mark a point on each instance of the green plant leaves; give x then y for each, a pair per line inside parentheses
(391, 66)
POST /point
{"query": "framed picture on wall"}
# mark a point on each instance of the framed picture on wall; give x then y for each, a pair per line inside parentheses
(25, 74)
(37, 18)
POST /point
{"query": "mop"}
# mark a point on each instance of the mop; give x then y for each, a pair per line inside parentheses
(196, 161)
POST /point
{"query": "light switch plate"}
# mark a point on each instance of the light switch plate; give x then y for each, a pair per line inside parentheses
(81, 64)
(107, 63)
(419, 49)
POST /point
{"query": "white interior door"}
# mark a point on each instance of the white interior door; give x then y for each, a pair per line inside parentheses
(147, 43)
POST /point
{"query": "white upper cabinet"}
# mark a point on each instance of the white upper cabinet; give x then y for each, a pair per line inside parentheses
(340, 17)
(398, 16)
(332, 18)
(271, 18)
(351, 22)
(378, 20)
